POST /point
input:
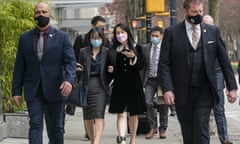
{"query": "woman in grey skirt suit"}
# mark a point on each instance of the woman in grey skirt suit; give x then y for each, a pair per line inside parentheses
(93, 59)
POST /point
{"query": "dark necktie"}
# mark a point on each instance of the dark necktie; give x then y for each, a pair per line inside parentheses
(40, 46)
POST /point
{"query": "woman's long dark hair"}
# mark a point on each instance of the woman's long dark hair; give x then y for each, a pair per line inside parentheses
(130, 39)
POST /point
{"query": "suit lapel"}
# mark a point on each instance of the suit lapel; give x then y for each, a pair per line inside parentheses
(49, 40)
(33, 47)
(185, 41)
(204, 41)
(103, 55)
(148, 51)
(88, 61)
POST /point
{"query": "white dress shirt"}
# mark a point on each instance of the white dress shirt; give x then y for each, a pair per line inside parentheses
(189, 30)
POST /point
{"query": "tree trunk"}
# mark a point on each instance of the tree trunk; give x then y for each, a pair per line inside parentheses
(214, 10)
(136, 8)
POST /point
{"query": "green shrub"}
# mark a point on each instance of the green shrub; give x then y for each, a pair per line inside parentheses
(16, 17)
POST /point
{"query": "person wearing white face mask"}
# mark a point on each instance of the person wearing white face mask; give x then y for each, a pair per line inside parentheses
(93, 59)
(124, 63)
(151, 53)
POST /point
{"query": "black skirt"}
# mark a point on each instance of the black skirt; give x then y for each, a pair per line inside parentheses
(97, 98)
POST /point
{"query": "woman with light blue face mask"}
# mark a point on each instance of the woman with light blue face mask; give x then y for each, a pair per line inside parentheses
(96, 43)
(93, 58)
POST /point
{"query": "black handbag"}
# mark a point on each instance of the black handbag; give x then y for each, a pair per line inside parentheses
(78, 96)
(70, 109)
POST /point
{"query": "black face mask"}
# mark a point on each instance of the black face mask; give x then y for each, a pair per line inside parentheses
(42, 21)
(194, 19)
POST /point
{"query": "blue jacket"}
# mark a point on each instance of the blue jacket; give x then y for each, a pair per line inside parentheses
(58, 64)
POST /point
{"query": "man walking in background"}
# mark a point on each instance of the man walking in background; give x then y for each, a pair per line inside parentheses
(219, 111)
(151, 53)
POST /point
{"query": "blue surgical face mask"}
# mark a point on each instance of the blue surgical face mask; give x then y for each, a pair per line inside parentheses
(155, 40)
(96, 43)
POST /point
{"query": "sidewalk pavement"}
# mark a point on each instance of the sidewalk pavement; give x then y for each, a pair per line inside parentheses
(75, 131)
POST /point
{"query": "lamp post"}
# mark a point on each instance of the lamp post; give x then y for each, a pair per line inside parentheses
(173, 12)
(148, 26)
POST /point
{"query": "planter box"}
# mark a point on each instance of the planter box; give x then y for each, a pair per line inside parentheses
(17, 124)
(3, 128)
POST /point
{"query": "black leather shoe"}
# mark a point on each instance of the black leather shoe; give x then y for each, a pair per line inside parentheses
(120, 139)
(173, 113)
(86, 136)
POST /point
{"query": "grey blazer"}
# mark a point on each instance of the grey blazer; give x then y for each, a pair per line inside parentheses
(85, 60)
(146, 57)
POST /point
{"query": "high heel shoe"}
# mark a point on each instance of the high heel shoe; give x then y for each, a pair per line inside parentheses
(120, 139)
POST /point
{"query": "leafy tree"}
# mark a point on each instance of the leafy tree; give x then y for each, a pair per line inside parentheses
(16, 17)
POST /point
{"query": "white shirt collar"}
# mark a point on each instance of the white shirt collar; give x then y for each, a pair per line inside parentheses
(189, 26)
(189, 30)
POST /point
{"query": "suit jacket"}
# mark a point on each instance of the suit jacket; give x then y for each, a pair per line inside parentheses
(85, 60)
(238, 70)
(146, 50)
(58, 64)
(174, 64)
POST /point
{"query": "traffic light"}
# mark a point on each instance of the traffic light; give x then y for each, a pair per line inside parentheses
(155, 6)
(138, 23)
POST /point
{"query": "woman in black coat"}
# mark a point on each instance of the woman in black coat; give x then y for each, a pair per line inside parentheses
(124, 63)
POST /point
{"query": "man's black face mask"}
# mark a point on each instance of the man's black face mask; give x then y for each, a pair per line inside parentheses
(42, 21)
(195, 19)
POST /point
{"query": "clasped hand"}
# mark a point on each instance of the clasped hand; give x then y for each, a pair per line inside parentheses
(129, 54)
(66, 88)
